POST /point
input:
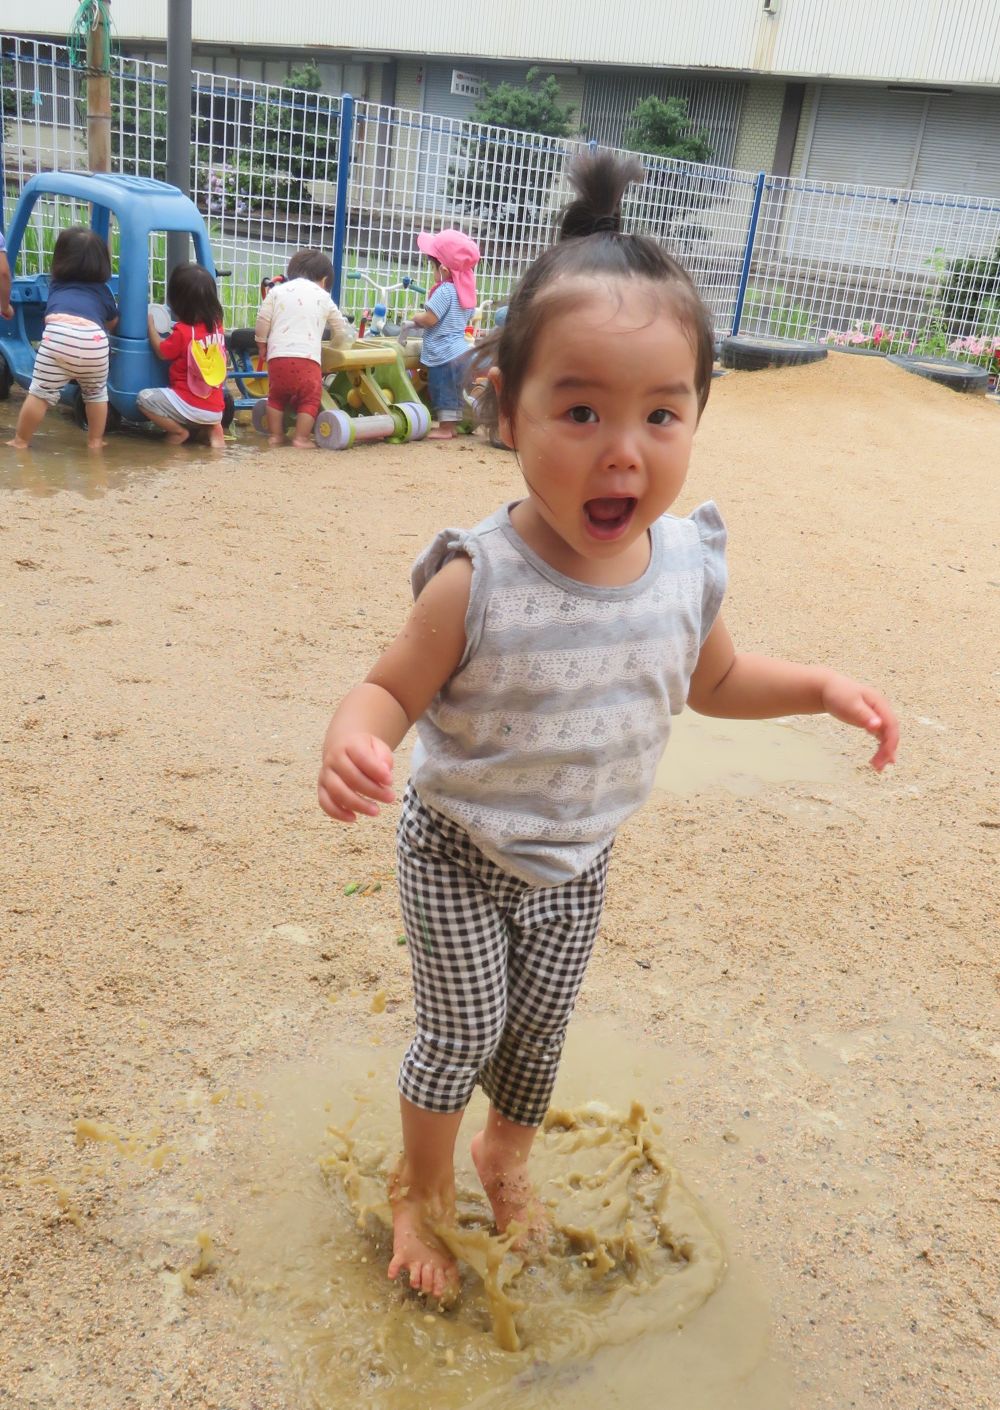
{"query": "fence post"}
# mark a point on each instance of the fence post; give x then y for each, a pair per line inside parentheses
(344, 152)
(741, 293)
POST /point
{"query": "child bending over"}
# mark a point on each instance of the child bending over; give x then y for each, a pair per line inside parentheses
(290, 327)
(79, 314)
(548, 650)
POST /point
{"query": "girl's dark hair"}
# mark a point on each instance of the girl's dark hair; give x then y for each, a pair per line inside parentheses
(591, 244)
(193, 297)
(310, 264)
(80, 257)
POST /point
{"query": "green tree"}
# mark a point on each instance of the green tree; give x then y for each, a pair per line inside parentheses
(138, 127)
(8, 94)
(505, 182)
(664, 205)
(662, 128)
(294, 139)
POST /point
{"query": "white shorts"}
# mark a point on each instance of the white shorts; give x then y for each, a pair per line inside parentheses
(164, 401)
(71, 352)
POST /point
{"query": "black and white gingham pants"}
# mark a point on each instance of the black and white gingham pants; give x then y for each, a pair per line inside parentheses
(497, 966)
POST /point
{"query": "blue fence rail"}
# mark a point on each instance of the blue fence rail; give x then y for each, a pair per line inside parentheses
(277, 168)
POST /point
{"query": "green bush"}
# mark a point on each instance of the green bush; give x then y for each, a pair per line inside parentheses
(488, 178)
(970, 291)
(661, 128)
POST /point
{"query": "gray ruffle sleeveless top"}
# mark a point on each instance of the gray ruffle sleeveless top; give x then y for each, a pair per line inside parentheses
(548, 735)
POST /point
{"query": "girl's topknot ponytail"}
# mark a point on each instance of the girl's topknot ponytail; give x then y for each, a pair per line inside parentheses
(554, 282)
(599, 181)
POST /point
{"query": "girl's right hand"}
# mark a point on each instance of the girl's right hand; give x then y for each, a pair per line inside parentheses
(356, 770)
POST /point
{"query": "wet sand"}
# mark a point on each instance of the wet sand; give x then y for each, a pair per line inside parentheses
(814, 956)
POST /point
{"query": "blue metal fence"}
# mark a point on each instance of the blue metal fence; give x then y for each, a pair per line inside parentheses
(277, 168)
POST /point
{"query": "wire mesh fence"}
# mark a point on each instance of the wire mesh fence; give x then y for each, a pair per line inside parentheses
(856, 265)
(876, 267)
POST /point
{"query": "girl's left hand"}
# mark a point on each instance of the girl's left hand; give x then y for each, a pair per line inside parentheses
(853, 703)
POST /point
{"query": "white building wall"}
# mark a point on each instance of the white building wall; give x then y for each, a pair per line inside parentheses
(915, 41)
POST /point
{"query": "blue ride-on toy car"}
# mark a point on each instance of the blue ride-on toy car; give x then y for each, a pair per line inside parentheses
(142, 208)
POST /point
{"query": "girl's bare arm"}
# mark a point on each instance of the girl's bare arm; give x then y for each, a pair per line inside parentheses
(154, 338)
(375, 716)
(741, 686)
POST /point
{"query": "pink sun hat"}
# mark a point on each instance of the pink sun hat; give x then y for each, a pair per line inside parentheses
(459, 255)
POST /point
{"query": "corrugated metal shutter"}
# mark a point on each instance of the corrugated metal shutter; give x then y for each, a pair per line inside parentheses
(714, 106)
(439, 147)
(865, 136)
(960, 150)
(918, 142)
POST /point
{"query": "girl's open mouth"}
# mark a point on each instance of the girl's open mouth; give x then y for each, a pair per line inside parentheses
(608, 518)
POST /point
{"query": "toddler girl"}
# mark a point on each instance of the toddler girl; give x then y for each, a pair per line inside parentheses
(79, 314)
(290, 325)
(188, 403)
(451, 301)
(547, 652)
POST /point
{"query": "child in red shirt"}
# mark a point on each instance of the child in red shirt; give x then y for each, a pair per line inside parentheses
(188, 403)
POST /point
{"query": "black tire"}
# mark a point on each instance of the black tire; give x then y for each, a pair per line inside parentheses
(228, 409)
(947, 372)
(747, 354)
(6, 379)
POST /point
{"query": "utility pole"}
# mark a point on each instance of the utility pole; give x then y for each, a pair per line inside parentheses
(178, 117)
(99, 89)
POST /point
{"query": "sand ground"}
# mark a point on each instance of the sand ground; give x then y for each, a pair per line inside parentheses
(822, 957)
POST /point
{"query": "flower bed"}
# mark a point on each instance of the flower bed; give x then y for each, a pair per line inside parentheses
(875, 338)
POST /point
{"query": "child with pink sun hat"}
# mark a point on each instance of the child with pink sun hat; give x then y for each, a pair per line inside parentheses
(443, 321)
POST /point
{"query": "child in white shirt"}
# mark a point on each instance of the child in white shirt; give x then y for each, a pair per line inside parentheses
(289, 331)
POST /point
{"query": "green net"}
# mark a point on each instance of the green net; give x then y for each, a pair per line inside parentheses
(93, 17)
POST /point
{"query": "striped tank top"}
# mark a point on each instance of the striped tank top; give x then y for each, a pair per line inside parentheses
(547, 736)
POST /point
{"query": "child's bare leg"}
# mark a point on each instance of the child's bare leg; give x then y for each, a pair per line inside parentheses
(176, 433)
(500, 1152)
(302, 437)
(275, 426)
(31, 416)
(422, 1189)
(97, 420)
(217, 436)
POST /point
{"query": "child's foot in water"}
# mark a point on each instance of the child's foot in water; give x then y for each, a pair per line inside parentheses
(416, 1250)
(510, 1192)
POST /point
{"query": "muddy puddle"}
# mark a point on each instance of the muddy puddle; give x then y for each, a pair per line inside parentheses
(59, 461)
(744, 756)
(640, 1301)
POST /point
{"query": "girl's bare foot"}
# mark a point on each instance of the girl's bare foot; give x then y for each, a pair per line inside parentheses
(416, 1249)
(300, 444)
(18, 444)
(276, 441)
(510, 1192)
(217, 438)
(96, 445)
(441, 433)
